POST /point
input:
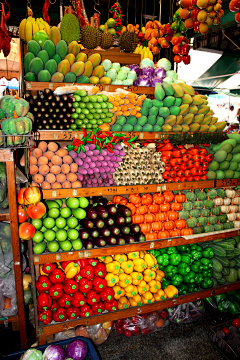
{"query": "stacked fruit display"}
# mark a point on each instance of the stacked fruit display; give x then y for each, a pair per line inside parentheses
(187, 267)
(119, 75)
(31, 26)
(226, 158)
(144, 51)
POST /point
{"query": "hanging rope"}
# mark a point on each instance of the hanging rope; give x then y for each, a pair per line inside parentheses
(135, 12)
(145, 10)
(153, 9)
(141, 14)
(127, 10)
(108, 7)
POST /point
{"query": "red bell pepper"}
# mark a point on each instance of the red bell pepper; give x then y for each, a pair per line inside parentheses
(65, 300)
(70, 286)
(87, 272)
(45, 316)
(65, 263)
(56, 291)
(92, 262)
(43, 283)
(92, 297)
(98, 308)
(85, 285)
(49, 267)
(78, 299)
(82, 263)
(85, 311)
(111, 306)
(99, 284)
(56, 276)
(107, 294)
(54, 306)
(72, 312)
(77, 278)
(60, 315)
(100, 270)
(44, 301)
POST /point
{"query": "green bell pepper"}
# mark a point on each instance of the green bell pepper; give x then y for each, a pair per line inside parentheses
(165, 283)
(206, 283)
(170, 271)
(206, 262)
(176, 280)
(193, 246)
(182, 289)
(183, 248)
(223, 305)
(208, 253)
(183, 268)
(196, 266)
(237, 296)
(163, 259)
(207, 273)
(162, 251)
(175, 25)
(192, 287)
(234, 308)
(172, 250)
(161, 267)
(186, 258)
(232, 293)
(157, 253)
(175, 259)
(198, 278)
(196, 255)
(220, 297)
(198, 248)
(190, 277)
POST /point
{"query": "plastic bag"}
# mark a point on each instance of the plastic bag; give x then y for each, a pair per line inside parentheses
(69, 334)
(64, 90)
(142, 324)
(97, 333)
(8, 290)
(186, 313)
(20, 177)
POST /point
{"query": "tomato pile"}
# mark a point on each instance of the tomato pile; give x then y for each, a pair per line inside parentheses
(181, 49)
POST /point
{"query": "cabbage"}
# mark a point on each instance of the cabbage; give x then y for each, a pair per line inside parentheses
(160, 72)
(132, 75)
(116, 66)
(117, 82)
(144, 80)
(77, 350)
(146, 62)
(156, 80)
(148, 71)
(128, 82)
(168, 80)
(106, 64)
(32, 354)
(172, 74)
(135, 67)
(164, 63)
(54, 352)
(112, 74)
(122, 75)
(135, 83)
(125, 68)
(179, 81)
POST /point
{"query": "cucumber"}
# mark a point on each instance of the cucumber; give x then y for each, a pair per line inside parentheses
(218, 250)
(226, 245)
(232, 263)
(222, 281)
(215, 282)
(223, 260)
(225, 271)
(217, 275)
(217, 266)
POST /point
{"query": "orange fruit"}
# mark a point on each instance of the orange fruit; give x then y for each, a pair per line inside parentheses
(202, 4)
(184, 14)
(189, 23)
(203, 28)
(202, 15)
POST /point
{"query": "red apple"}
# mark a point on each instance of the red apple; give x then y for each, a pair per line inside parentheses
(20, 197)
(32, 195)
(119, 330)
(26, 231)
(217, 7)
(216, 21)
(22, 217)
(36, 211)
(125, 326)
(212, 14)
(127, 333)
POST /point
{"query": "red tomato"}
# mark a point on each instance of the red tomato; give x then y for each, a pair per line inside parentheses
(176, 49)
(184, 179)
(177, 59)
(175, 40)
(177, 179)
(197, 178)
(226, 330)
(168, 167)
(22, 217)
(170, 180)
(190, 178)
(236, 323)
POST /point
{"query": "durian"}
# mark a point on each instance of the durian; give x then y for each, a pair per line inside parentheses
(128, 41)
(69, 28)
(107, 41)
(90, 37)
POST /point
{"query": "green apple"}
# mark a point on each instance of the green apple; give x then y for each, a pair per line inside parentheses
(54, 213)
(72, 222)
(72, 234)
(77, 244)
(59, 201)
(37, 223)
(61, 235)
(52, 204)
(44, 216)
(49, 223)
(79, 213)
(39, 248)
(53, 246)
(49, 235)
(83, 202)
(66, 227)
(72, 203)
(38, 237)
(61, 223)
(55, 228)
(43, 229)
(66, 245)
(65, 212)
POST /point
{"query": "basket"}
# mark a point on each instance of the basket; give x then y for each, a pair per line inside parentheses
(16, 141)
(220, 343)
(91, 354)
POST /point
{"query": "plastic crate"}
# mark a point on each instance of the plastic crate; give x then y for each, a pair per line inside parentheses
(91, 354)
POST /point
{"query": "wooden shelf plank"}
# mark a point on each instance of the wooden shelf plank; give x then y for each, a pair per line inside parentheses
(121, 314)
(4, 215)
(10, 319)
(147, 245)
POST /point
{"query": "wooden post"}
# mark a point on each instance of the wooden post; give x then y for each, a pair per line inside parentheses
(12, 197)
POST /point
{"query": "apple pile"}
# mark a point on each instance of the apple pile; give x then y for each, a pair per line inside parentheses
(234, 6)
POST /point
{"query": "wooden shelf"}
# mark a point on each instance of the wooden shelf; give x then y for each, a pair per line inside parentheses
(115, 55)
(147, 245)
(47, 330)
(4, 215)
(10, 319)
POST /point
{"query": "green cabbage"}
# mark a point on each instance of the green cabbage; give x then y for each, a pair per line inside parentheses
(164, 63)
(32, 354)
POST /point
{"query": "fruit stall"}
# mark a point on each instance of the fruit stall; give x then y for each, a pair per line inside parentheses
(132, 201)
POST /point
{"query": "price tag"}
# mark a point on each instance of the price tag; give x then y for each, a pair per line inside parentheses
(74, 192)
(157, 135)
(55, 136)
(164, 187)
(228, 182)
(141, 136)
(106, 87)
(29, 86)
(54, 193)
(80, 254)
(50, 86)
(75, 135)
(58, 257)
(152, 245)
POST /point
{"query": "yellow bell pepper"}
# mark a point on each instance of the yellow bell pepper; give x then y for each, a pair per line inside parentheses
(159, 275)
(148, 298)
(120, 257)
(113, 267)
(108, 259)
(133, 255)
(171, 291)
(123, 303)
(136, 277)
(139, 265)
(127, 266)
(59, 265)
(149, 275)
(136, 300)
(101, 258)
(41, 271)
(160, 295)
(71, 270)
(118, 292)
(150, 260)
(143, 287)
(154, 286)
(142, 254)
(111, 279)
(124, 280)
(131, 290)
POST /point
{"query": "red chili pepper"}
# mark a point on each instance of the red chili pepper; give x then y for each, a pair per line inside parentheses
(100, 270)
(111, 306)
(92, 297)
(186, 59)
(107, 294)
(45, 316)
(65, 300)
(85, 285)
(84, 132)
(99, 284)
(49, 267)
(56, 290)
(72, 312)
(98, 308)
(78, 299)
(85, 311)
(43, 283)
(70, 286)
(44, 301)
(45, 10)
(56, 276)
(60, 315)
(92, 262)
(87, 272)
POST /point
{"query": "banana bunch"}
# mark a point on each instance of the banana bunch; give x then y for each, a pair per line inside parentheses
(30, 26)
(144, 51)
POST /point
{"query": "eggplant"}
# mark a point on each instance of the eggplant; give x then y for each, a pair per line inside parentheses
(129, 239)
(88, 244)
(128, 220)
(99, 223)
(71, 99)
(140, 237)
(135, 229)
(109, 222)
(88, 224)
(101, 211)
(119, 220)
(100, 242)
(120, 240)
(91, 213)
(57, 98)
(125, 230)
(124, 210)
(102, 201)
(115, 230)
(83, 234)
(41, 97)
(27, 97)
(94, 233)
(47, 91)
(112, 210)
(34, 97)
(91, 201)
(111, 240)
(104, 232)
(64, 98)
